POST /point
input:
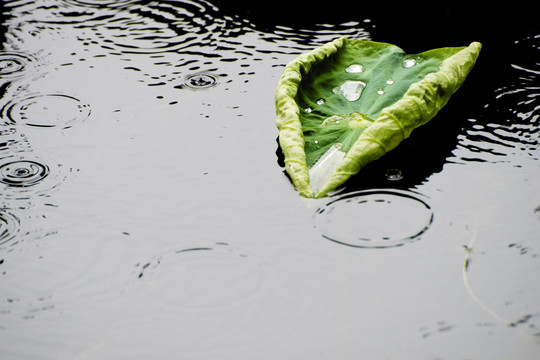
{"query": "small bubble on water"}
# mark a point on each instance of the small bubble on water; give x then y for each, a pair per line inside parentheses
(321, 101)
(201, 81)
(393, 175)
(355, 68)
(408, 63)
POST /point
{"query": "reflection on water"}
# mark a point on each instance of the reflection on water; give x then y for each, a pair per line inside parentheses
(140, 196)
(508, 129)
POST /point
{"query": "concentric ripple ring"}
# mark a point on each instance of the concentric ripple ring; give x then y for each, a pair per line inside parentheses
(45, 110)
(9, 226)
(22, 173)
(14, 64)
(374, 218)
(201, 81)
(101, 3)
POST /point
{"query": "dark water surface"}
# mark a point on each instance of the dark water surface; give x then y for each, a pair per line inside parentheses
(144, 213)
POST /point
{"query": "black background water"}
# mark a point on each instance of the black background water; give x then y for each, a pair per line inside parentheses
(144, 212)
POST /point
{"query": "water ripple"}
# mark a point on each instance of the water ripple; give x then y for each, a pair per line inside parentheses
(374, 218)
(24, 175)
(155, 28)
(9, 227)
(45, 110)
(320, 34)
(101, 3)
(200, 81)
(16, 64)
(211, 275)
(508, 130)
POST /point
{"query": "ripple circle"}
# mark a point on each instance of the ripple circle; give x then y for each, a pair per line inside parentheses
(14, 65)
(9, 227)
(201, 81)
(212, 275)
(23, 173)
(45, 110)
(374, 218)
(101, 3)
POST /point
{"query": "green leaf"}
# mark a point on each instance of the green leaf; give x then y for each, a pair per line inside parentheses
(349, 102)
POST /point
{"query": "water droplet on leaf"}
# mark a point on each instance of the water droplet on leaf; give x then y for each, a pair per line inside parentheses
(350, 89)
(355, 68)
(407, 63)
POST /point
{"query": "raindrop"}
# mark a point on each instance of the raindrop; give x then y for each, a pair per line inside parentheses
(380, 91)
(333, 120)
(22, 173)
(394, 175)
(350, 89)
(308, 109)
(46, 110)
(355, 68)
(374, 219)
(201, 81)
(389, 82)
(407, 63)
(320, 102)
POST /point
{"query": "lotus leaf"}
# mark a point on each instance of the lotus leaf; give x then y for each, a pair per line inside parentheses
(349, 102)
